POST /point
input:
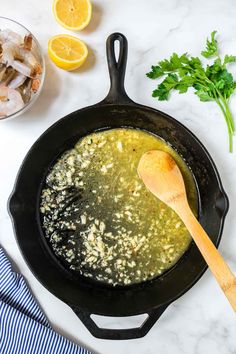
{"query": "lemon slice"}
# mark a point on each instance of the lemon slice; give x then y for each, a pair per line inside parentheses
(67, 52)
(72, 14)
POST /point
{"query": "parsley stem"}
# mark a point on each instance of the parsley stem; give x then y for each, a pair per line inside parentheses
(227, 110)
(229, 115)
(228, 120)
(223, 104)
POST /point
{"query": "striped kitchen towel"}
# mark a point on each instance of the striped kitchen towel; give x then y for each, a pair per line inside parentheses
(23, 326)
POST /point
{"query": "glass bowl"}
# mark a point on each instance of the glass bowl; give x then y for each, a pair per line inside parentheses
(6, 23)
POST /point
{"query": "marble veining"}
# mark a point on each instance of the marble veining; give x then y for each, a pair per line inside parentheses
(201, 321)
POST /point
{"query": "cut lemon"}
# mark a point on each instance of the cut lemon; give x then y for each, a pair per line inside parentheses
(72, 14)
(67, 52)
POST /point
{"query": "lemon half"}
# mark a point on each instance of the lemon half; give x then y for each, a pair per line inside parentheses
(72, 14)
(67, 52)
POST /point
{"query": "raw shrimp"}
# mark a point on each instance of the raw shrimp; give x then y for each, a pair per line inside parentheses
(28, 58)
(10, 101)
(25, 90)
(27, 65)
(10, 36)
(9, 50)
(23, 68)
(8, 76)
(17, 81)
(20, 57)
(20, 71)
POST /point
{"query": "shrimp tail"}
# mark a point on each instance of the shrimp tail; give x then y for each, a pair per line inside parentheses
(28, 42)
(35, 85)
(3, 69)
(37, 70)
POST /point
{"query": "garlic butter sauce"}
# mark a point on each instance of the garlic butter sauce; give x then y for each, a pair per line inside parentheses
(99, 218)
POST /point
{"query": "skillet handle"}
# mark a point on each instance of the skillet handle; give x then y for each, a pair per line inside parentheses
(120, 334)
(117, 69)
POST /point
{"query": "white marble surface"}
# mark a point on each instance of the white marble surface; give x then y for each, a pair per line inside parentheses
(201, 321)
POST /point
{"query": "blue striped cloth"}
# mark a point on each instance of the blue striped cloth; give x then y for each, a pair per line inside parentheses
(23, 326)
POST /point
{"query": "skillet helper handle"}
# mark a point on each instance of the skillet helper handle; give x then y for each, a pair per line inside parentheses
(120, 334)
(117, 69)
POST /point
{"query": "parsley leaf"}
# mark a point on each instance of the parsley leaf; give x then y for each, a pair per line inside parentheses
(163, 90)
(211, 47)
(204, 95)
(229, 59)
(174, 63)
(184, 84)
(212, 82)
(155, 72)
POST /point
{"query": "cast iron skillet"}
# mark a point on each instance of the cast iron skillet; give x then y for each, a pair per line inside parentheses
(84, 296)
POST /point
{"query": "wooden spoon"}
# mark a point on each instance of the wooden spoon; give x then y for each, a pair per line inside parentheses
(163, 178)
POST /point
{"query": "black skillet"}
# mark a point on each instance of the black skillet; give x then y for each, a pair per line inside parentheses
(84, 296)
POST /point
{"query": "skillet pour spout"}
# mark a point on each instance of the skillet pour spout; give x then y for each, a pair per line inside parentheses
(84, 296)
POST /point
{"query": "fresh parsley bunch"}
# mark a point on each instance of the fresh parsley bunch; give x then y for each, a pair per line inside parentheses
(211, 83)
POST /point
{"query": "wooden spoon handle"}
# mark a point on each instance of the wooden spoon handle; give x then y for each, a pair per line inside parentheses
(213, 258)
